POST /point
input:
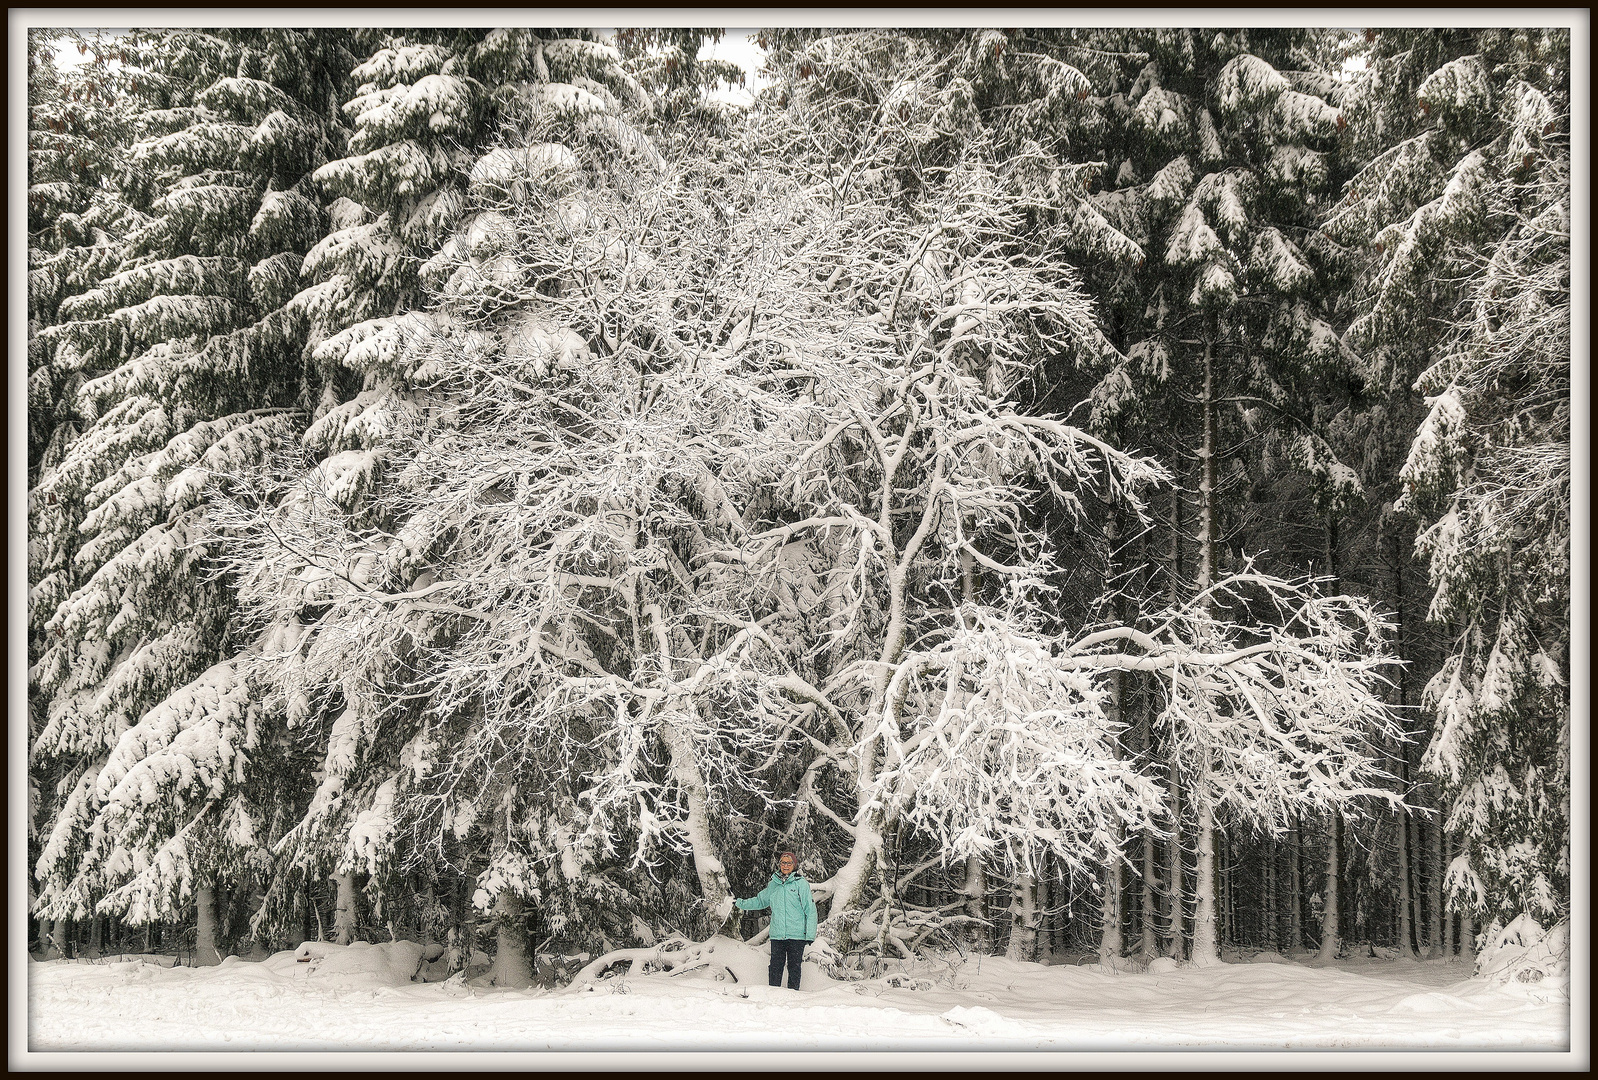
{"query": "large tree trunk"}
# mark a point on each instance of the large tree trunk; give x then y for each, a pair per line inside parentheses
(49, 948)
(848, 886)
(206, 953)
(512, 965)
(687, 774)
(344, 911)
(1206, 947)
(1110, 933)
(1023, 919)
(1331, 940)
(976, 892)
(713, 886)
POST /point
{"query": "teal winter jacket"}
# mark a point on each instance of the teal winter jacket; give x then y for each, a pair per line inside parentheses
(793, 912)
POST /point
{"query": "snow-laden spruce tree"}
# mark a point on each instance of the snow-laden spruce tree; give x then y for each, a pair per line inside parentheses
(1463, 214)
(78, 121)
(78, 124)
(320, 681)
(190, 364)
(1220, 148)
(424, 107)
(270, 136)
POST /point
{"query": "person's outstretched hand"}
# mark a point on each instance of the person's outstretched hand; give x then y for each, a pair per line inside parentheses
(724, 909)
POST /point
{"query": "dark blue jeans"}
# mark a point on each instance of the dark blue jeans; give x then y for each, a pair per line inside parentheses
(791, 952)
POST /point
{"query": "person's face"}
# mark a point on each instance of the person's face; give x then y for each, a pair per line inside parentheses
(786, 864)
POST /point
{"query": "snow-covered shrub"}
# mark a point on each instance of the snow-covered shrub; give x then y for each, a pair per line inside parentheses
(1522, 953)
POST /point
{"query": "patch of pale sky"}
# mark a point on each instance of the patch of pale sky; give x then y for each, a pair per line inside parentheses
(740, 47)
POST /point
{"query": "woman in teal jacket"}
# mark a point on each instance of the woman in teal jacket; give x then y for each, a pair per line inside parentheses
(793, 918)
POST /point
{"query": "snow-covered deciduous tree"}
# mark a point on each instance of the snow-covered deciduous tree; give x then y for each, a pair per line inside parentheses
(1273, 707)
(684, 458)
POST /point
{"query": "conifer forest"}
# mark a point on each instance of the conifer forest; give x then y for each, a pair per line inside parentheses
(1091, 493)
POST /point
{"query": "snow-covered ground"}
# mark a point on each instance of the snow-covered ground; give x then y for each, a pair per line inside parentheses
(361, 998)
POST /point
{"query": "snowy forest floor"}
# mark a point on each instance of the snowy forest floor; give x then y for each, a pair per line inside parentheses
(361, 998)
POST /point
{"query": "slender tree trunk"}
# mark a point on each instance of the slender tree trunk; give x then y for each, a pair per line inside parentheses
(1434, 893)
(1448, 912)
(299, 921)
(206, 953)
(1271, 925)
(1206, 947)
(1044, 948)
(1225, 930)
(1176, 886)
(1053, 916)
(96, 930)
(1417, 883)
(1405, 949)
(1149, 943)
(1023, 919)
(1231, 934)
(344, 912)
(1467, 934)
(1295, 887)
(1114, 882)
(1331, 913)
